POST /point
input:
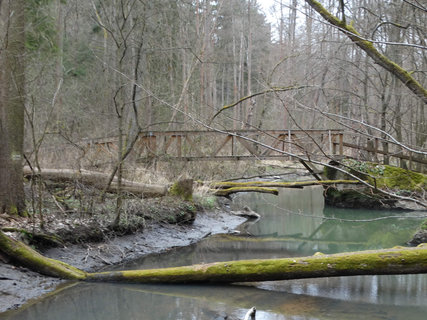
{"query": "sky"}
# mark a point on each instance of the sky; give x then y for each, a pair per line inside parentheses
(266, 5)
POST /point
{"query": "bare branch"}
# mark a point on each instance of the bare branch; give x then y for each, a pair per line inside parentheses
(273, 89)
(416, 5)
(367, 46)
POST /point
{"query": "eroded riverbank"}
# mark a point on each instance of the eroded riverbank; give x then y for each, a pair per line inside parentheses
(294, 224)
(20, 285)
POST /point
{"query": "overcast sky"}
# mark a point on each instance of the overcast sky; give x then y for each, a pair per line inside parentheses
(266, 5)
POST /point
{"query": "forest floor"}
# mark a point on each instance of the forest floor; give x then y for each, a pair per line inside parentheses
(87, 240)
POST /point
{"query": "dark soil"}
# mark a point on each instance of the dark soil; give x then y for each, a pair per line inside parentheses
(79, 232)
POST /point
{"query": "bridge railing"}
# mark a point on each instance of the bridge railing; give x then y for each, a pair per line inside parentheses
(368, 148)
(262, 144)
(239, 144)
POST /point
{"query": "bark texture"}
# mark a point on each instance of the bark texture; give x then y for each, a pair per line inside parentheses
(12, 96)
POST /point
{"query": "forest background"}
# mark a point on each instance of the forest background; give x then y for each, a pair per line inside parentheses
(99, 69)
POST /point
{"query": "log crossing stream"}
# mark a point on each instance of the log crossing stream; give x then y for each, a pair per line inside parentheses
(295, 223)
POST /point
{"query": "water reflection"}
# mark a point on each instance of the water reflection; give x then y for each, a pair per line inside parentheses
(294, 224)
(126, 301)
(307, 226)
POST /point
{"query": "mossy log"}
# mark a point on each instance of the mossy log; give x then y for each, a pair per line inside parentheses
(397, 260)
(26, 256)
(228, 191)
(377, 262)
(99, 180)
(279, 184)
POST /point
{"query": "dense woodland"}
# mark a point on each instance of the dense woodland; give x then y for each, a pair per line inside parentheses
(150, 64)
(114, 68)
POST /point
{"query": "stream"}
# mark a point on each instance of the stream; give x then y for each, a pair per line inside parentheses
(295, 223)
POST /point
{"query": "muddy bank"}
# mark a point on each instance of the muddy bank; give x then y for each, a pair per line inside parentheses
(19, 285)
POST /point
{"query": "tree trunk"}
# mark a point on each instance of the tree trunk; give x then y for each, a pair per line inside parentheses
(227, 188)
(397, 260)
(26, 256)
(99, 180)
(390, 261)
(228, 191)
(12, 96)
(268, 184)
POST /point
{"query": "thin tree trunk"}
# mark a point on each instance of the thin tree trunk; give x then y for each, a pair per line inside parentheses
(250, 104)
(59, 75)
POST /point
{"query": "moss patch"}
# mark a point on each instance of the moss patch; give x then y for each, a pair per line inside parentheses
(387, 177)
(402, 179)
(183, 189)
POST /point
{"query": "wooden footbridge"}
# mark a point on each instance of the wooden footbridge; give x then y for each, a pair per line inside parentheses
(255, 144)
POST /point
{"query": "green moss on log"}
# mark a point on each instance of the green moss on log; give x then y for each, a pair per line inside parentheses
(391, 261)
(229, 191)
(26, 256)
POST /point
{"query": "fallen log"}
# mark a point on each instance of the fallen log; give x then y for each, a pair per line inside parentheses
(278, 184)
(24, 255)
(376, 262)
(225, 188)
(98, 180)
(397, 260)
(228, 191)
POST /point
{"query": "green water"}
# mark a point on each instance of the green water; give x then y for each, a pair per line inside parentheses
(295, 223)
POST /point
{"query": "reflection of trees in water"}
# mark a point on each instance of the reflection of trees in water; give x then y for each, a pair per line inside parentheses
(332, 298)
(278, 211)
(300, 214)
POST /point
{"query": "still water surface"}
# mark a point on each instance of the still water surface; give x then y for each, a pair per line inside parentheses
(295, 223)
